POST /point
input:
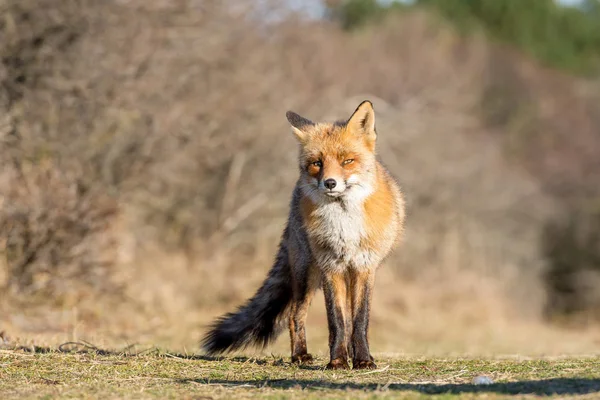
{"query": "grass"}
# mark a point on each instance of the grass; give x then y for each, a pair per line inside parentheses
(158, 374)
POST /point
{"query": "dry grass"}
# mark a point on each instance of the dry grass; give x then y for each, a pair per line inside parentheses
(161, 374)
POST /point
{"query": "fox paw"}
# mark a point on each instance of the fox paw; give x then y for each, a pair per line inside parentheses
(302, 359)
(364, 364)
(338, 363)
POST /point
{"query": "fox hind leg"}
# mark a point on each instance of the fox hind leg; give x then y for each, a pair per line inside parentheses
(304, 289)
(297, 324)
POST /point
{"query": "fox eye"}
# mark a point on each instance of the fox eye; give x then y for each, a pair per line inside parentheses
(348, 161)
(317, 164)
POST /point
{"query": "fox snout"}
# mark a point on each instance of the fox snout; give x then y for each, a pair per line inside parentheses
(330, 183)
(332, 186)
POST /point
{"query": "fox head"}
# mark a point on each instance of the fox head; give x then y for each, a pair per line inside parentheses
(337, 160)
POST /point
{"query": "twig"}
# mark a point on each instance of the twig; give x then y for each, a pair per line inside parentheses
(376, 371)
(233, 179)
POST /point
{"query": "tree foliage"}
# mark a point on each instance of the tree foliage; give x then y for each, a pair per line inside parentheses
(563, 37)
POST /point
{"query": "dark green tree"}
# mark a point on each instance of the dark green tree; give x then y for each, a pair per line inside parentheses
(564, 37)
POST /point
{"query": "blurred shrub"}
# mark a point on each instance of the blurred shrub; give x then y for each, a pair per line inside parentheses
(55, 224)
(573, 276)
(57, 232)
(34, 35)
(507, 101)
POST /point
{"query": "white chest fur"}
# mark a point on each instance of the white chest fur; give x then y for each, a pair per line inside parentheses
(336, 236)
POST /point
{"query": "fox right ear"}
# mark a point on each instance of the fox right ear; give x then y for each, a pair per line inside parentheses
(299, 125)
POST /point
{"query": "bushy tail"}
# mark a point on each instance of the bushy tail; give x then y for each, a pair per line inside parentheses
(256, 322)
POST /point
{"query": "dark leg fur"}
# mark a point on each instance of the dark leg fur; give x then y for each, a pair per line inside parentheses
(350, 316)
(304, 283)
(334, 288)
(297, 327)
(362, 288)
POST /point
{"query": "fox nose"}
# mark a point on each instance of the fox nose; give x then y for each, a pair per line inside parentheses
(330, 183)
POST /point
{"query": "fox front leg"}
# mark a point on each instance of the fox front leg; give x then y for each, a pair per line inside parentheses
(335, 290)
(362, 289)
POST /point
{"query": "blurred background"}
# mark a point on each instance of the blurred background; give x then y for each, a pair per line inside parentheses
(146, 164)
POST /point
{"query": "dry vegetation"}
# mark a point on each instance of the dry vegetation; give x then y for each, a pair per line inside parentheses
(159, 374)
(146, 167)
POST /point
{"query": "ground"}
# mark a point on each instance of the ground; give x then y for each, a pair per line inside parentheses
(79, 372)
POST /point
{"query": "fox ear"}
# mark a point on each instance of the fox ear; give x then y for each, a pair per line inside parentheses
(362, 122)
(299, 125)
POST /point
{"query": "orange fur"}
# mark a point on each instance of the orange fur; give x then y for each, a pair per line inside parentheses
(332, 146)
(306, 208)
(339, 287)
(378, 210)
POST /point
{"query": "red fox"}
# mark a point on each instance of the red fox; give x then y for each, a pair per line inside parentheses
(346, 215)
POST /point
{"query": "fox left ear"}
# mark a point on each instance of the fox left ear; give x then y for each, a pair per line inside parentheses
(300, 125)
(362, 121)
